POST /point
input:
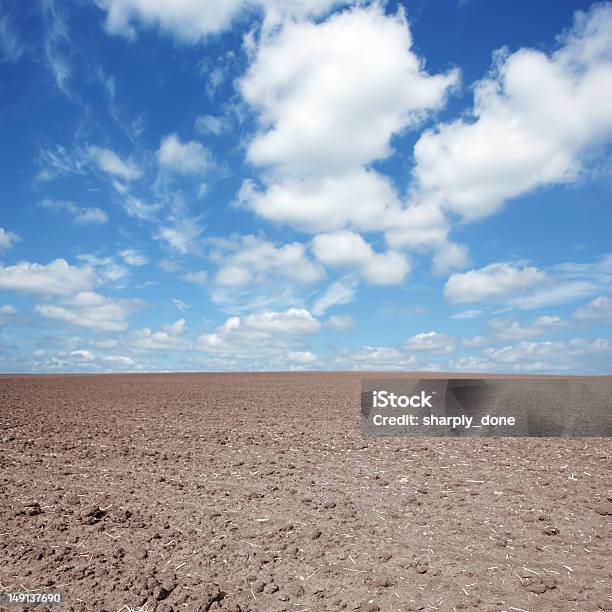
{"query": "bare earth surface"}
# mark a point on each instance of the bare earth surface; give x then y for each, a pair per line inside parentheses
(257, 492)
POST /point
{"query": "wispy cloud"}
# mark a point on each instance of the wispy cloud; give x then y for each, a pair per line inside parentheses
(56, 45)
(11, 46)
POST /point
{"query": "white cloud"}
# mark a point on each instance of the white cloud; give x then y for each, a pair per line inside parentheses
(341, 323)
(11, 48)
(474, 341)
(212, 124)
(261, 335)
(418, 228)
(379, 358)
(197, 277)
(81, 355)
(430, 341)
(467, 314)
(527, 287)
(132, 257)
(292, 321)
(250, 259)
(81, 215)
(182, 306)
(8, 309)
(600, 309)
(169, 265)
(138, 209)
(108, 161)
(329, 97)
(7, 239)
(508, 329)
(107, 269)
(347, 249)
(233, 276)
(170, 338)
(56, 45)
(559, 293)
(534, 119)
(301, 357)
(121, 361)
(183, 157)
(91, 310)
(108, 343)
(189, 21)
(360, 198)
(184, 236)
(496, 281)
(91, 216)
(56, 278)
(548, 355)
(331, 94)
(449, 256)
(176, 328)
(339, 292)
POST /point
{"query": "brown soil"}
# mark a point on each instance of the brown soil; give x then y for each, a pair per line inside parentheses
(258, 492)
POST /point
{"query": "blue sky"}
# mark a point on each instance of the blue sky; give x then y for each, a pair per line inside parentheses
(263, 185)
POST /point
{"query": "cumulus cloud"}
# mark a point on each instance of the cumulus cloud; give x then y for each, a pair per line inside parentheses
(251, 259)
(361, 199)
(190, 21)
(7, 312)
(346, 249)
(430, 341)
(534, 119)
(7, 239)
(261, 334)
(496, 281)
(304, 84)
(55, 278)
(81, 355)
(91, 310)
(91, 216)
(108, 161)
(292, 321)
(301, 357)
(381, 358)
(170, 337)
(183, 157)
(119, 361)
(548, 355)
(176, 328)
(329, 97)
